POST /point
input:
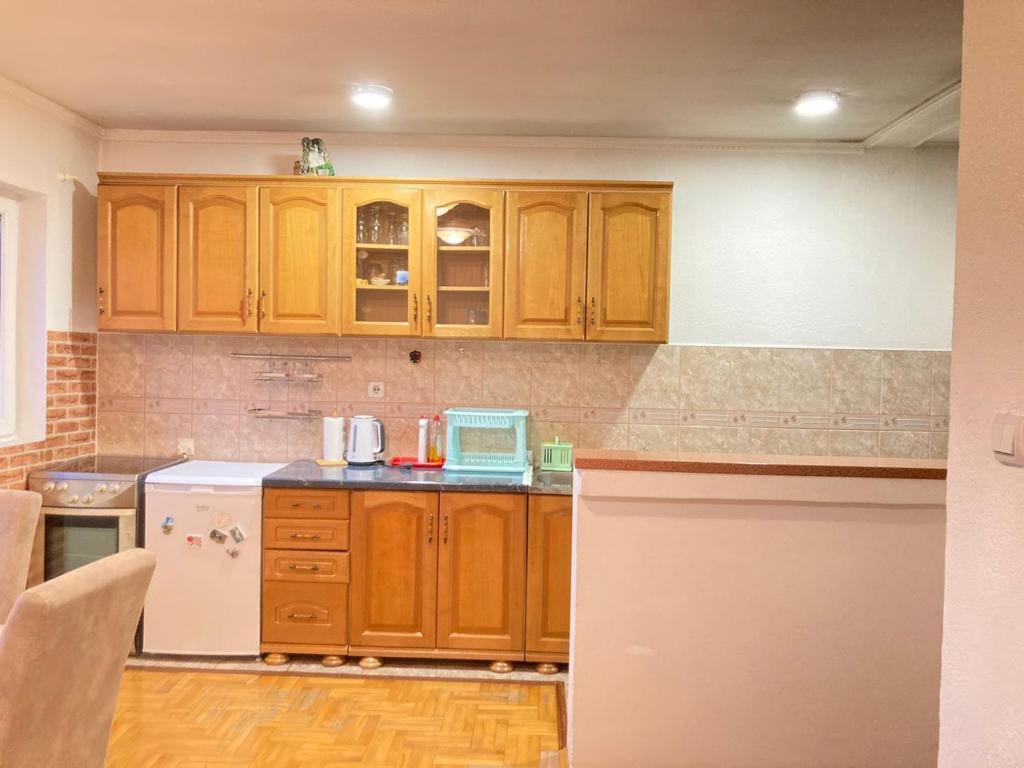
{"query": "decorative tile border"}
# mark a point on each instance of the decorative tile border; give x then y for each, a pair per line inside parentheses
(155, 388)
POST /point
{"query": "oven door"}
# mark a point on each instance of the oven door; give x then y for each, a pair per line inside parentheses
(74, 537)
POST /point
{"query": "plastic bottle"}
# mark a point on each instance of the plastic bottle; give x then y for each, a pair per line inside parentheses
(436, 450)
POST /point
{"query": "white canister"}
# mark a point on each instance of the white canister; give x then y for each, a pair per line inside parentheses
(421, 444)
(334, 438)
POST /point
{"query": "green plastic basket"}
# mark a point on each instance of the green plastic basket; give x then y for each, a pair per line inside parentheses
(556, 456)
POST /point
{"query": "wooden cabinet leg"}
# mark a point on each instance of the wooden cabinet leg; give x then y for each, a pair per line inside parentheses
(332, 661)
(501, 667)
(276, 659)
(370, 662)
(546, 668)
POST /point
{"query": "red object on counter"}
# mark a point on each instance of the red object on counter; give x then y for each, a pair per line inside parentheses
(398, 461)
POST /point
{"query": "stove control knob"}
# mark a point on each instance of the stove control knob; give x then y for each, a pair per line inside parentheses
(101, 487)
(61, 487)
(115, 488)
(87, 499)
(49, 486)
(73, 498)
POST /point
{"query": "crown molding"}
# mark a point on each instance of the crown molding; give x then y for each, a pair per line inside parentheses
(23, 94)
(292, 139)
(916, 126)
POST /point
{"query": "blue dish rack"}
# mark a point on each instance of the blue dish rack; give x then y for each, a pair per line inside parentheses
(458, 460)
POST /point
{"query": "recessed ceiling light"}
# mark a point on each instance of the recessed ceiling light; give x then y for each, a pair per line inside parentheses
(816, 103)
(371, 96)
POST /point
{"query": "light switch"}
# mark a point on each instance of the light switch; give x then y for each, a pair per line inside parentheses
(1008, 438)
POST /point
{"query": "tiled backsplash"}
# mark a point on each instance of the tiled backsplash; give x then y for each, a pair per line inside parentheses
(154, 389)
(70, 409)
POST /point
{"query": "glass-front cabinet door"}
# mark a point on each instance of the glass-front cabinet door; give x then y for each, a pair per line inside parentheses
(381, 276)
(462, 272)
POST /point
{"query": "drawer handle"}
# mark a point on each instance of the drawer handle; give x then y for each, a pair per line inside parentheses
(306, 536)
(297, 504)
(298, 567)
(303, 616)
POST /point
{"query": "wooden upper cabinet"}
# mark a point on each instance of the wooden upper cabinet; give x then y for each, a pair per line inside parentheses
(218, 258)
(481, 571)
(545, 265)
(463, 241)
(628, 266)
(136, 258)
(394, 569)
(381, 269)
(549, 577)
(300, 259)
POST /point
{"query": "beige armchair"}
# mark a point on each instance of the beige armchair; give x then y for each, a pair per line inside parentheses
(19, 514)
(62, 652)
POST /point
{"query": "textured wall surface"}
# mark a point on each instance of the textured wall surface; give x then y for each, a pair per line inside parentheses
(768, 249)
(70, 409)
(156, 388)
(982, 714)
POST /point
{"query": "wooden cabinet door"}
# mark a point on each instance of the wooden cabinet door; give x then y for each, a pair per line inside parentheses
(463, 241)
(135, 258)
(545, 265)
(218, 260)
(394, 569)
(481, 571)
(628, 266)
(549, 575)
(382, 238)
(300, 252)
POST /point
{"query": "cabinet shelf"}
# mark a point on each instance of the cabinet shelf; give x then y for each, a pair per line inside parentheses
(463, 289)
(382, 287)
(381, 247)
(464, 248)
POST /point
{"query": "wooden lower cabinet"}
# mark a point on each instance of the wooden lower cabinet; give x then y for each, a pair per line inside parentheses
(306, 570)
(481, 584)
(394, 569)
(548, 579)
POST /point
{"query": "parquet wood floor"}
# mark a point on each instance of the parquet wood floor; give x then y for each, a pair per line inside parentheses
(172, 719)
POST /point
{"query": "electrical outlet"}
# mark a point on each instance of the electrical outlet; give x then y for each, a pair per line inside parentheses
(186, 446)
(375, 390)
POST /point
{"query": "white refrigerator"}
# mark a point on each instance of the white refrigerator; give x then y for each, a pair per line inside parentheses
(203, 523)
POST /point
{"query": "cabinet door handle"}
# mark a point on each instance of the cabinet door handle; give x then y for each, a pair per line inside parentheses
(248, 303)
(263, 305)
(304, 616)
(415, 309)
(445, 534)
(299, 567)
(579, 310)
(306, 536)
(430, 311)
(430, 529)
(99, 301)
(593, 311)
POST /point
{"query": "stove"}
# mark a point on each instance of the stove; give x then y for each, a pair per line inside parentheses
(96, 482)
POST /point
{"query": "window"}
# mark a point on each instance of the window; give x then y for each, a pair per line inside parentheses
(8, 335)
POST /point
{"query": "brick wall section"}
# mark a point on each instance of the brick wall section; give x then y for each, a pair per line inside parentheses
(70, 409)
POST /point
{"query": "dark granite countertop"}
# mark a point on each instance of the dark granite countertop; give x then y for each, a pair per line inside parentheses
(309, 474)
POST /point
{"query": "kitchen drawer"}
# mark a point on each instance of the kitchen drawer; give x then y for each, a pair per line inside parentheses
(305, 534)
(288, 502)
(312, 614)
(308, 567)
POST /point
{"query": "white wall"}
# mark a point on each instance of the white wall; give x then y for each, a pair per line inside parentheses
(36, 147)
(982, 711)
(769, 248)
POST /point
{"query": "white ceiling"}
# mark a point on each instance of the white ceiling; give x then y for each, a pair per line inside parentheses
(624, 68)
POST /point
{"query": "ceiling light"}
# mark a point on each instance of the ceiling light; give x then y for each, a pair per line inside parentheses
(816, 103)
(371, 96)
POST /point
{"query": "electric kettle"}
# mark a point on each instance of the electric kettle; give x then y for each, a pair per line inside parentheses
(365, 440)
